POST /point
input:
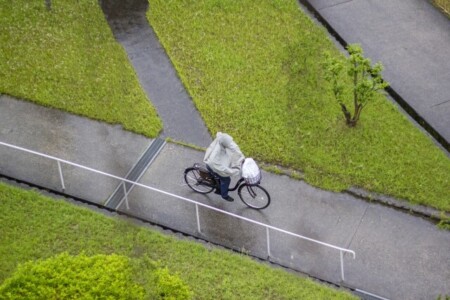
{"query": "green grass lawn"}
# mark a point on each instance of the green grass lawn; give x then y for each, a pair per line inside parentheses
(444, 5)
(68, 59)
(255, 71)
(36, 227)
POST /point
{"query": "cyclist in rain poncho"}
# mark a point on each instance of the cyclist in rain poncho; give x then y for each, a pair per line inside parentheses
(223, 157)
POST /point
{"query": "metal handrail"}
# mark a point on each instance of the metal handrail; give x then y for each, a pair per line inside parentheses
(197, 204)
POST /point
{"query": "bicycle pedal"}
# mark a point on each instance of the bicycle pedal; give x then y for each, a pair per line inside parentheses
(229, 199)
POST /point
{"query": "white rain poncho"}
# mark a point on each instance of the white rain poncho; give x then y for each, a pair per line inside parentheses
(223, 156)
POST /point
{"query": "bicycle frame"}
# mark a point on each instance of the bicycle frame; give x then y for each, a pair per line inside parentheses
(254, 195)
(231, 189)
(238, 183)
(217, 181)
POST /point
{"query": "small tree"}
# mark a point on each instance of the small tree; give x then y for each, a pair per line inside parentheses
(366, 79)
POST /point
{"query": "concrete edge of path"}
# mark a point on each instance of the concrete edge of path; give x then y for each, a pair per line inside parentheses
(427, 212)
(403, 104)
(419, 210)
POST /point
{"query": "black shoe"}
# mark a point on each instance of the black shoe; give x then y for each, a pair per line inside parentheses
(217, 191)
(228, 198)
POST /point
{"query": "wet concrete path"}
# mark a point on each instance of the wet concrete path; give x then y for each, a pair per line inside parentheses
(398, 256)
(181, 120)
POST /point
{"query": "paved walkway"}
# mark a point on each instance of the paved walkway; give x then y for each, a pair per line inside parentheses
(412, 40)
(158, 77)
(398, 256)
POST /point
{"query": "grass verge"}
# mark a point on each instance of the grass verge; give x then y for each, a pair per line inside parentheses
(67, 58)
(34, 227)
(444, 5)
(255, 70)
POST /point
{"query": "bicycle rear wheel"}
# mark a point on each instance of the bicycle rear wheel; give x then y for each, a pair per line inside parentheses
(254, 196)
(196, 182)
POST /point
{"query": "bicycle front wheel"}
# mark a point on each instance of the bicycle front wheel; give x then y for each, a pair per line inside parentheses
(254, 196)
(196, 182)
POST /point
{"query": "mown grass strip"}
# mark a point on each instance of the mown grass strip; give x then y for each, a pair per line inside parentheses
(67, 58)
(33, 227)
(444, 5)
(255, 70)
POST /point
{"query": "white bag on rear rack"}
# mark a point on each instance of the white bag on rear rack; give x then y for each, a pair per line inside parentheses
(250, 171)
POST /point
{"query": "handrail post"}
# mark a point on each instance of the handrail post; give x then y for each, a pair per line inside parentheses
(126, 195)
(268, 242)
(342, 265)
(61, 177)
(198, 218)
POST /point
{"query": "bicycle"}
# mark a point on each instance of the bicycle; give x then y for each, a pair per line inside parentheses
(202, 181)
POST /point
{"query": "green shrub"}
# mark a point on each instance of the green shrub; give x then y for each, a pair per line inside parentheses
(170, 287)
(73, 277)
(96, 277)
